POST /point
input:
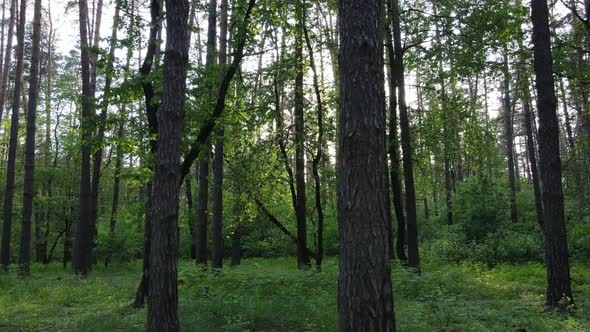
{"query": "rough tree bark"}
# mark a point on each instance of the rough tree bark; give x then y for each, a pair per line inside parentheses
(14, 124)
(364, 290)
(82, 253)
(413, 253)
(559, 290)
(163, 291)
(217, 192)
(24, 259)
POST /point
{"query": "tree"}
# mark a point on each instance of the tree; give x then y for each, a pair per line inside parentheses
(163, 291)
(29, 189)
(203, 198)
(11, 167)
(217, 194)
(559, 289)
(82, 254)
(364, 292)
(509, 131)
(413, 254)
(7, 55)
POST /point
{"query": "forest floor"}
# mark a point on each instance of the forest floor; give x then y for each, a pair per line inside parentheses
(271, 295)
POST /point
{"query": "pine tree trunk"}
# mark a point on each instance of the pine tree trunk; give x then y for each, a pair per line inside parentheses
(217, 192)
(364, 289)
(11, 166)
(559, 291)
(163, 291)
(413, 253)
(508, 130)
(7, 56)
(24, 259)
(82, 253)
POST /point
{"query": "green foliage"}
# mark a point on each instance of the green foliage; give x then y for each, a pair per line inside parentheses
(271, 295)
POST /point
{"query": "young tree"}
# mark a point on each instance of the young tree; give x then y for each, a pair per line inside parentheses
(364, 292)
(11, 167)
(559, 289)
(24, 259)
(163, 291)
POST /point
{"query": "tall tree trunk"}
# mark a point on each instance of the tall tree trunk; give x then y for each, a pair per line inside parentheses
(317, 158)
(24, 259)
(302, 256)
(508, 130)
(151, 110)
(7, 56)
(394, 154)
(163, 291)
(191, 215)
(364, 289)
(413, 254)
(217, 193)
(559, 290)
(11, 167)
(203, 199)
(82, 254)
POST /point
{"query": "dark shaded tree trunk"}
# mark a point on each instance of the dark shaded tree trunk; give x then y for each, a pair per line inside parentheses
(394, 155)
(217, 192)
(191, 215)
(412, 223)
(531, 151)
(302, 257)
(163, 291)
(203, 198)
(14, 124)
(364, 289)
(82, 253)
(7, 56)
(151, 109)
(24, 259)
(559, 290)
(509, 132)
(236, 249)
(317, 158)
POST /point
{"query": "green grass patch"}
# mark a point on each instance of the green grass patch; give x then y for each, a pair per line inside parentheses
(271, 295)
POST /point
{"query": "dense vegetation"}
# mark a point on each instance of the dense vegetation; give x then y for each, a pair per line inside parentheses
(418, 164)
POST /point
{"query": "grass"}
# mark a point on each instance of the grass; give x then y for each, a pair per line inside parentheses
(270, 295)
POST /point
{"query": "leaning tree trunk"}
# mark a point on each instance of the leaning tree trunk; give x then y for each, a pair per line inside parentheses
(163, 291)
(559, 289)
(364, 290)
(24, 259)
(509, 131)
(11, 166)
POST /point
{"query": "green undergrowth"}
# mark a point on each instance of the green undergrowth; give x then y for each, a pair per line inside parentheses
(271, 295)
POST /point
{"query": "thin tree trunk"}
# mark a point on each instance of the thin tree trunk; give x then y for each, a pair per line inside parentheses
(508, 129)
(559, 290)
(11, 167)
(163, 290)
(302, 257)
(203, 199)
(317, 159)
(394, 155)
(191, 214)
(24, 259)
(7, 56)
(364, 288)
(82, 254)
(217, 193)
(413, 253)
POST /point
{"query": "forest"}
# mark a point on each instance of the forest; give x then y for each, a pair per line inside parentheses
(295, 165)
